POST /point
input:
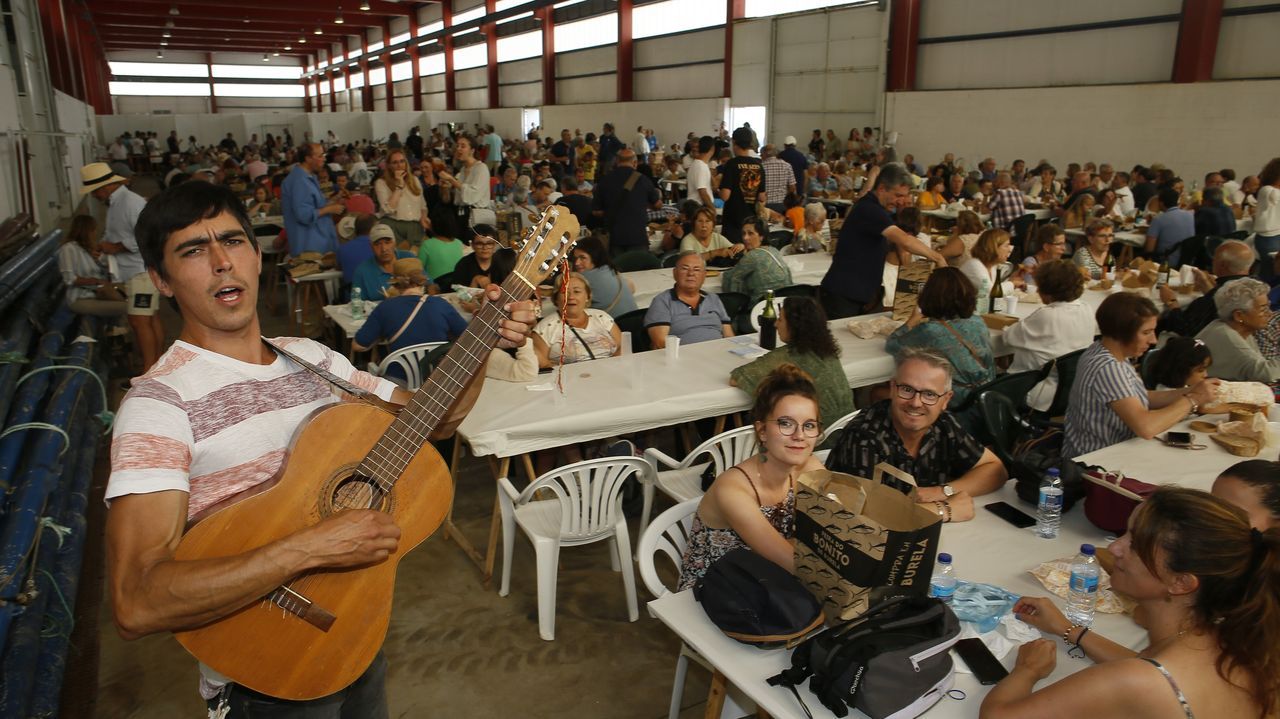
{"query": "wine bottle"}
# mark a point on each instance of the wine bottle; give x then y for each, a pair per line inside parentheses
(1162, 275)
(769, 323)
(997, 294)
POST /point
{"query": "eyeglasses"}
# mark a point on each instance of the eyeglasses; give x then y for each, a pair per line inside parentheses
(788, 426)
(690, 270)
(927, 396)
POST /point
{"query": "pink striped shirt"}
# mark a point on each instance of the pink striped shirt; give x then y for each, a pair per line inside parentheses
(212, 426)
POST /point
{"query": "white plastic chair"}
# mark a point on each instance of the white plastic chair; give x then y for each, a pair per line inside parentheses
(682, 480)
(758, 309)
(409, 360)
(586, 508)
(831, 429)
(669, 534)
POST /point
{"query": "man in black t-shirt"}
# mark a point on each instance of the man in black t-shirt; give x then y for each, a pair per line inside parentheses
(853, 284)
(562, 155)
(741, 185)
(579, 205)
(621, 204)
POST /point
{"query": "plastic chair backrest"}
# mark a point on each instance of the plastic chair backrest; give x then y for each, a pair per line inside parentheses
(831, 429)
(669, 260)
(636, 260)
(781, 238)
(1066, 366)
(444, 282)
(633, 322)
(667, 534)
(409, 360)
(725, 449)
(589, 494)
(796, 291)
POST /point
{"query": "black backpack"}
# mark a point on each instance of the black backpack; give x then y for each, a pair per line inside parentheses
(891, 663)
(756, 601)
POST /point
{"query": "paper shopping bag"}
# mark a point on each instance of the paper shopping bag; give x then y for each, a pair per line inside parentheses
(906, 295)
(859, 541)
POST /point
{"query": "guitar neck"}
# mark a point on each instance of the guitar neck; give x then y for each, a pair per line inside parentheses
(431, 403)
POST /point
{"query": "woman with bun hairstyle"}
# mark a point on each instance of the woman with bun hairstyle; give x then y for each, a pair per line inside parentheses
(752, 504)
(1207, 586)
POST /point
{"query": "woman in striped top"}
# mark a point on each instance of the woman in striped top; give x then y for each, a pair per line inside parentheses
(1109, 403)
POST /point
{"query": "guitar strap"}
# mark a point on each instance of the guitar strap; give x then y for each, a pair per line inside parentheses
(325, 375)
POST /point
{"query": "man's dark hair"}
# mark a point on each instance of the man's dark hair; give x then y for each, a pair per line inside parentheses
(570, 183)
(742, 138)
(705, 143)
(1227, 173)
(364, 224)
(180, 207)
(1148, 174)
(1168, 197)
(892, 176)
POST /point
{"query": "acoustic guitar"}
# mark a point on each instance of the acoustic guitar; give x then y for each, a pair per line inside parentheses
(318, 632)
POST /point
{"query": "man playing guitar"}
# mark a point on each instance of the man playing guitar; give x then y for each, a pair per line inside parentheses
(210, 424)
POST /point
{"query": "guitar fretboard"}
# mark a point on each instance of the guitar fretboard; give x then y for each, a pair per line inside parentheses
(430, 404)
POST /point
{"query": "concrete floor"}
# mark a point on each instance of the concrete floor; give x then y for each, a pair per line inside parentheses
(455, 648)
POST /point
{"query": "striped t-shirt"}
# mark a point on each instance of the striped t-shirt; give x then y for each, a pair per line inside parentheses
(212, 426)
(1100, 380)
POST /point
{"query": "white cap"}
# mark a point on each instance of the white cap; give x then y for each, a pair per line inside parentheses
(789, 140)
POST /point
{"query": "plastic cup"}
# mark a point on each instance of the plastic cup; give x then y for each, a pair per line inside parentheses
(673, 348)
(1011, 305)
(626, 344)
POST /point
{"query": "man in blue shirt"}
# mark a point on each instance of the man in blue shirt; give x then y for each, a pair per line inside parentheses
(354, 251)
(685, 311)
(411, 317)
(1170, 227)
(306, 208)
(373, 275)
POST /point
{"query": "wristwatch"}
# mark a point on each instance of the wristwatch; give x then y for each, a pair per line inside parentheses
(948, 491)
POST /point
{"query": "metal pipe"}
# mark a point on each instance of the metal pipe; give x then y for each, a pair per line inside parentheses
(27, 399)
(27, 266)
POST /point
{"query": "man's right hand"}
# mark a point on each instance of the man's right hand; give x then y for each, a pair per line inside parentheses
(350, 538)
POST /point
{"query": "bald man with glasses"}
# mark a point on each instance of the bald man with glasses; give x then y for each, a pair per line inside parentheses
(913, 432)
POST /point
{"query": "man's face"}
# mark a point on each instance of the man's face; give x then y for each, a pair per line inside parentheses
(1019, 166)
(1251, 184)
(509, 177)
(823, 173)
(1080, 180)
(580, 175)
(690, 272)
(1213, 180)
(315, 159)
(1106, 172)
(566, 136)
(896, 197)
(384, 249)
(212, 270)
(926, 384)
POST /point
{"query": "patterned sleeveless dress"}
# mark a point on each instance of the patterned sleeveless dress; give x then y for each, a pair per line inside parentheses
(708, 544)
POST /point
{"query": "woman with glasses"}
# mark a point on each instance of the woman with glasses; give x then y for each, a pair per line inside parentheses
(1109, 402)
(1243, 311)
(1095, 254)
(1051, 244)
(752, 504)
(487, 263)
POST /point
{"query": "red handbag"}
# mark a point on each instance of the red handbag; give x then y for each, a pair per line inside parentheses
(1110, 497)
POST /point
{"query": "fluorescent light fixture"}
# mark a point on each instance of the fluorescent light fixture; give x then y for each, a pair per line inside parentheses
(288, 47)
(318, 31)
(274, 54)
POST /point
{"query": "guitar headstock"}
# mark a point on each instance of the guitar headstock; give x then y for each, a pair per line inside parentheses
(546, 243)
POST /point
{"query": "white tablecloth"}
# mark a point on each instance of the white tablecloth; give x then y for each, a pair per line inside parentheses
(985, 550)
(1151, 461)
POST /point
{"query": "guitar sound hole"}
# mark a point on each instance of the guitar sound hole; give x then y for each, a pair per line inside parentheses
(356, 492)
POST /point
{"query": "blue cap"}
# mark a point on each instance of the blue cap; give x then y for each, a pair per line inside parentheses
(1087, 549)
(1054, 471)
(946, 558)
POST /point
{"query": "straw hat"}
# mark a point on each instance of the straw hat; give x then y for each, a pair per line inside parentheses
(347, 227)
(95, 175)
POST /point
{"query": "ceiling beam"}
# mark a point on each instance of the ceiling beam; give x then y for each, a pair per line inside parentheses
(233, 29)
(118, 15)
(214, 36)
(377, 7)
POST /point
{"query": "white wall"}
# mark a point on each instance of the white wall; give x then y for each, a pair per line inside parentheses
(670, 119)
(1246, 44)
(818, 69)
(579, 90)
(1192, 128)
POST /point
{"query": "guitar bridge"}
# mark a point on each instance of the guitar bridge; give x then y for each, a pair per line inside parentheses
(303, 608)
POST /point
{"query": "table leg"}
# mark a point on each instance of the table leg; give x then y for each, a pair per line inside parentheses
(495, 524)
(715, 696)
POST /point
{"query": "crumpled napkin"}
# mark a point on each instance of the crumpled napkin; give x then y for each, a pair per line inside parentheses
(868, 328)
(1007, 636)
(1055, 575)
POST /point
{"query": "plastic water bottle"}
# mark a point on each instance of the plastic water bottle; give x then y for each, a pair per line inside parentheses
(1049, 511)
(943, 583)
(1082, 596)
(357, 304)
